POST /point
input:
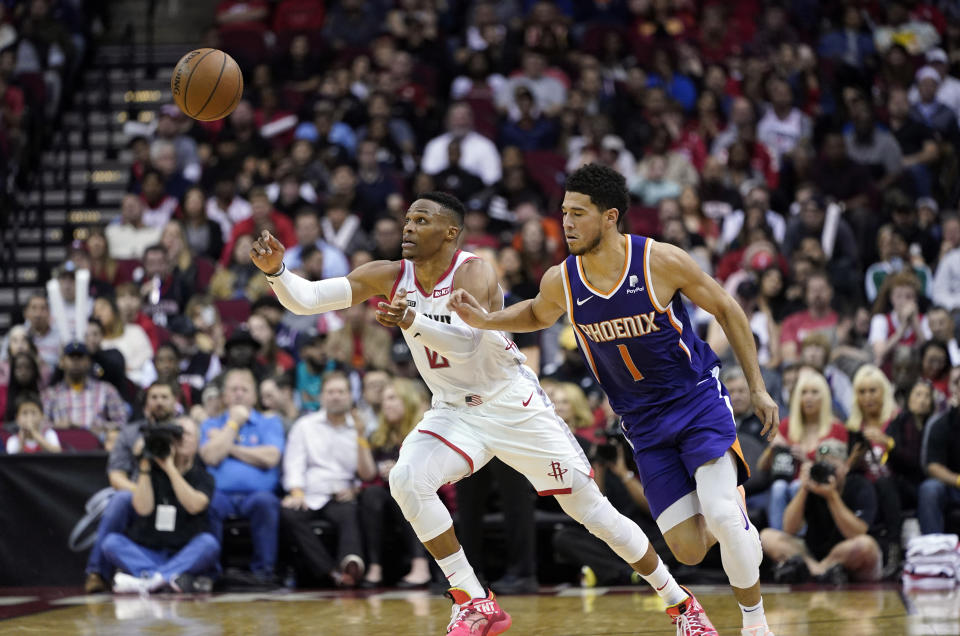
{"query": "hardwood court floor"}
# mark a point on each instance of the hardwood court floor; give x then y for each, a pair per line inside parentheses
(865, 611)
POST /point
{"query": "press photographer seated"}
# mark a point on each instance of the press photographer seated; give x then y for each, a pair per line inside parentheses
(837, 508)
(167, 543)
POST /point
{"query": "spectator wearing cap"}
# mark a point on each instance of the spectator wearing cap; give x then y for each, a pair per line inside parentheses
(263, 217)
(80, 401)
(40, 331)
(242, 449)
(941, 449)
(894, 258)
(240, 352)
(34, 434)
(123, 470)
(837, 508)
(479, 155)
(948, 89)
(127, 236)
(931, 111)
(306, 227)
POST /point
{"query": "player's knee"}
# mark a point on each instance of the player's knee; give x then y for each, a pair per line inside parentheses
(402, 488)
(722, 512)
(687, 552)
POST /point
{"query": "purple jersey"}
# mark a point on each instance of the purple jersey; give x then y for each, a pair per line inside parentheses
(642, 354)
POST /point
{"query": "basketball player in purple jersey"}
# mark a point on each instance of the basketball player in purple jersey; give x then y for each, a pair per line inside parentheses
(486, 403)
(622, 293)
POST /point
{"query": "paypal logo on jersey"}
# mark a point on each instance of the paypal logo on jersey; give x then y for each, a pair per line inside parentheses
(633, 284)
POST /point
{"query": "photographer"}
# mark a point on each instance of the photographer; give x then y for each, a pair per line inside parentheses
(122, 471)
(168, 542)
(837, 509)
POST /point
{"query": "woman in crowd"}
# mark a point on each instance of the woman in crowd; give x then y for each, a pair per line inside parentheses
(403, 404)
(198, 270)
(128, 338)
(24, 379)
(102, 267)
(810, 421)
(204, 237)
(270, 355)
(572, 407)
(872, 409)
(935, 369)
(906, 432)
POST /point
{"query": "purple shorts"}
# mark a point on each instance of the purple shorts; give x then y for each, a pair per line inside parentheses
(672, 441)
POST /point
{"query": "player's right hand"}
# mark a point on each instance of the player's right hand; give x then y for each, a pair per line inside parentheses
(267, 253)
(467, 307)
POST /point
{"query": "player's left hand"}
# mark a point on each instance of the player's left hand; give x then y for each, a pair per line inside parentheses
(395, 314)
(768, 412)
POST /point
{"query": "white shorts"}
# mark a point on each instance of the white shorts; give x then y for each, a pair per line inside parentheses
(519, 426)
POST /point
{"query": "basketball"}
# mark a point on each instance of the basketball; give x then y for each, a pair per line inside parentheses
(207, 84)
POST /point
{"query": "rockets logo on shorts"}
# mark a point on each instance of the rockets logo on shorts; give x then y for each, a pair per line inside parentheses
(557, 471)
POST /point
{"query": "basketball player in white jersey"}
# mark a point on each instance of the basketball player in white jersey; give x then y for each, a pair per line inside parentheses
(486, 403)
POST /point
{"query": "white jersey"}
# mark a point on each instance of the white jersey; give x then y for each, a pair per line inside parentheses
(494, 366)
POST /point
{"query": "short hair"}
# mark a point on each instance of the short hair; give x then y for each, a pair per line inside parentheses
(334, 374)
(161, 383)
(167, 345)
(156, 247)
(282, 380)
(258, 191)
(452, 205)
(605, 186)
(307, 251)
(28, 397)
(306, 211)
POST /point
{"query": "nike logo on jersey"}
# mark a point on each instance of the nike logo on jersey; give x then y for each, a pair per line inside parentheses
(581, 301)
(528, 399)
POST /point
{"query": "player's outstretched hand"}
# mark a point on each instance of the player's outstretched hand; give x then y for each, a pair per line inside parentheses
(267, 253)
(768, 412)
(393, 314)
(467, 307)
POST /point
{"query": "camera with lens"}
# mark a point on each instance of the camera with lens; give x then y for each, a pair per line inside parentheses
(821, 472)
(158, 439)
(606, 451)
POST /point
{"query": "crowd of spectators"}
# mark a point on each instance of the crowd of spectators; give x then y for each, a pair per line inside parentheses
(42, 46)
(803, 153)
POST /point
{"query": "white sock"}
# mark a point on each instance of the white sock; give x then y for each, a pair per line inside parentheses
(753, 616)
(459, 574)
(664, 584)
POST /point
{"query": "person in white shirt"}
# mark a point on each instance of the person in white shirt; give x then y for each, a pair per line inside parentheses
(478, 154)
(783, 126)
(948, 92)
(226, 207)
(326, 453)
(127, 236)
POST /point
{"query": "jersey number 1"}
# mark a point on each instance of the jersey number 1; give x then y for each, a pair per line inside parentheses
(627, 360)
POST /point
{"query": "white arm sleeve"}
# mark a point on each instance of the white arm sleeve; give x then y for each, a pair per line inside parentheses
(305, 297)
(456, 341)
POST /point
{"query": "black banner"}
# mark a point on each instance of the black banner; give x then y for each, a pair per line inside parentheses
(42, 499)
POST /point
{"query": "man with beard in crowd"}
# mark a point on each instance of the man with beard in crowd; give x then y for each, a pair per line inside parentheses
(122, 470)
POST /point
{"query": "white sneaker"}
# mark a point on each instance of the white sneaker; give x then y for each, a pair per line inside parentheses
(124, 583)
(759, 630)
(153, 583)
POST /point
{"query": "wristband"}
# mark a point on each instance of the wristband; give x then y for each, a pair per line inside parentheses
(362, 441)
(233, 425)
(283, 268)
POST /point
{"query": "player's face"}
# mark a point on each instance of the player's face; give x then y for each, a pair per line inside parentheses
(582, 223)
(425, 229)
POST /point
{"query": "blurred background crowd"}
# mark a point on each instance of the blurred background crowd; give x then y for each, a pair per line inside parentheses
(804, 152)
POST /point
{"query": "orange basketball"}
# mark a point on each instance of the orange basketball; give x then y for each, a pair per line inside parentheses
(207, 84)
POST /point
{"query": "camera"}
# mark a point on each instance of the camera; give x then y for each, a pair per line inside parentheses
(821, 472)
(158, 439)
(606, 452)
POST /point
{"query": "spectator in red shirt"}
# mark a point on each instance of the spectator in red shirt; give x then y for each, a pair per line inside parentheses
(304, 16)
(242, 15)
(818, 316)
(263, 217)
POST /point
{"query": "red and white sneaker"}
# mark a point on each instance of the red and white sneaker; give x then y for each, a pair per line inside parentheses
(690, 617)
(476, 617)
